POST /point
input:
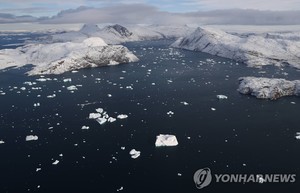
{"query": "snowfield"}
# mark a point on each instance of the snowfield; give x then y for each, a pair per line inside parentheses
(57, 58)
(116, 34)
(253, 49)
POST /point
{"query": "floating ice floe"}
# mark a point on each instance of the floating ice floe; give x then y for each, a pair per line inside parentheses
(122, 116)
(85, 127)
(2, 142)
(134, 153)
(51, 96)
(72, 88)
(298, 135)
(55, 162)
(67, 80)
(120, 189)
(30, 83)
(36, 104)
(101, 116)
(213, 109)
(184, 103)
(31, 138)
(170, 113)
(166, 140)
(222, 97)
(94, 115)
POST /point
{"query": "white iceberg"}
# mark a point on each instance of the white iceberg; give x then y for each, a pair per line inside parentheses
(122, 116)
(222, 97)
(101, 121)
(94, 115)
(298, 135)
(72, 88)
(166, 140)
(31, 138)
(2, 142)
(85, 127)
(268, 88)
(55, 162)
(134, 153)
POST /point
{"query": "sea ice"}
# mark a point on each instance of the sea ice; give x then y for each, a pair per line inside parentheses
(298, 135)
(222, 97)
(55, 162)
(166, 140)
(134, 153)
(2, 142)
(94, 115)
(72, 88)
(31, 138)
(101, 121)
(85, 127)
(122, 116)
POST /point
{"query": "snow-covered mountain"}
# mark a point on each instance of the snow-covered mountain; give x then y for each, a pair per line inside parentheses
(268, 88)
(255, 50)
(116, 34)
(58, 58)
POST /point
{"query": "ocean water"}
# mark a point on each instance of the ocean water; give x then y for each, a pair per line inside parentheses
(243, 135)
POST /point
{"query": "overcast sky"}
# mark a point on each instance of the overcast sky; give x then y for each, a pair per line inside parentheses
(151, 11)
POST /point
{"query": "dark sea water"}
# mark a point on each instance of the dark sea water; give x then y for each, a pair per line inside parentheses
(243, 135)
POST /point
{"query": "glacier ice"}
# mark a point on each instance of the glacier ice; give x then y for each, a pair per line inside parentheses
(134, 153)
(166, 140)
(268, 88)
(31, 138)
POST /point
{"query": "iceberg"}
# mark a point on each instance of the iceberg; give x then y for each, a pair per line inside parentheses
(166, 140)
(31, 138)
(57, 58)
(122, 116)
(55, 162)
(268, 88)
(298, 135)
(222, 97)
(2, 142)
(255, 50)
(134, 153)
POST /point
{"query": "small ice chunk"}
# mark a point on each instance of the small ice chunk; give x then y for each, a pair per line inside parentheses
(72, 88)
(31, 138)
(94, 115)
(293, 103)
(222, 97)
(213, 109)
(51, 96)
(101, 121)
(123, 148)
(2, 142)
(166, 140)
(36, 104)
(111, 119)
(85, 127)
(55, 162)
(122, 116)
(170, 113)
(109, 95)
(184, 103)
(120, 189)
(38, 169)
(67, 80)
(23, 88)
(99, 110)
(134, 153)
(298, 135)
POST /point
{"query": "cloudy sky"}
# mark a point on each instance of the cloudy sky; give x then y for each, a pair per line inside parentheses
(151, 11)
